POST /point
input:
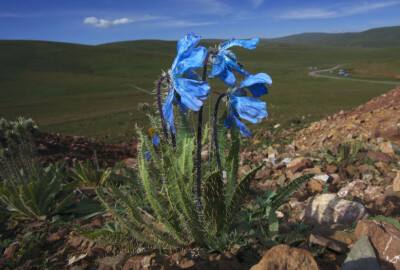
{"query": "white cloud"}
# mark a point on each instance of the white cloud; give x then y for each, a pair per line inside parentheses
(106, 23)
(308, 14)
(256, 3)
(181, 23)
(321, 13)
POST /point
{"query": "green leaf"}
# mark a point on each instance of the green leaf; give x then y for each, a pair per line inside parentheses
(214, 202)
(239, 194)
(232, 162)
(284, 193)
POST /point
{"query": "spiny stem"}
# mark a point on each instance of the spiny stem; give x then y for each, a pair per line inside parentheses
(215, 137)
(199, 127)
(163, 124)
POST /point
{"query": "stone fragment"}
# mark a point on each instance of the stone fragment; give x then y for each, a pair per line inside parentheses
(316, 185)
(328, 209)
(298, 164)
(282, 257)
(387, 147)
(116, 262)
(379, 156)
(385, 238)
(396, 182)
(10, 251)
(391, 133)
(361, 256)
(355, 188)
(329, 243)
(331, 169)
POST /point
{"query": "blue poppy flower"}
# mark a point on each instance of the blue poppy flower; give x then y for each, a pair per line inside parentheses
(248, 108)
(156, 140)
(147, 155)
(186, 92)
(225, 61)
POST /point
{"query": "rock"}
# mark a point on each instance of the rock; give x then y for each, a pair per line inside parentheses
(328, 209)
(352, 172)
(382, 167)
(116, 262)
(392, 133)
(355, 188)
(10, 251)
(323, 177)
(282, 257)
(331, 169)
(329, 243)
(375, 194)
(316, 185)
(385, 238)
(105, 267)
(379, 156)
(227, 261)
(298, 164)
(396, 182)
(387, 147)
(362, 256)
(368, 169)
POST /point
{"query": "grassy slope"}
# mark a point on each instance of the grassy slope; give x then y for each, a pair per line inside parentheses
(76, 89)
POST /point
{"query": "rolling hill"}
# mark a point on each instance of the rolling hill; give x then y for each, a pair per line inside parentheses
(375, 38)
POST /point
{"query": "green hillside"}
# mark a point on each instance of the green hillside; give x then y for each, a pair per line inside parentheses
(93, 90)
(377, 38)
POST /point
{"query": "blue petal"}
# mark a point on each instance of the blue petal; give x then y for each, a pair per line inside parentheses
(167, 109)
(250, 109)
(232, 119)
(227, 77)
(191, 60)
(192, 75)
(187, 43)
(191, 92)
(181, 105)
(255, 83)
(248, 44)
(147, 155)
(218, 66)
(156, 140)
(235, 67)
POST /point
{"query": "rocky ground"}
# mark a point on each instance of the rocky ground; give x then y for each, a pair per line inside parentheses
(347, 215)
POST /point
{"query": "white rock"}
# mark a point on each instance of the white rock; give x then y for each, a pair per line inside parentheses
(328, 209)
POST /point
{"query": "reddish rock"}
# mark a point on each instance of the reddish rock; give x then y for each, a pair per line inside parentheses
(316, 186)
(298, 164)
(396, 182)
(331, 169)
(283, 257)
(379, 156)
(10, 251)
(385, 238)
(392, 133)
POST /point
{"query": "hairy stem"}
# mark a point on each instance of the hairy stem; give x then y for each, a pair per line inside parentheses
(163, 124)
(215, 137)
(199, 129)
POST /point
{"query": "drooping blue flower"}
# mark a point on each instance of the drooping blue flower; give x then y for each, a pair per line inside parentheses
(186, 92)
(248, 108)
(225, 61)
(147, 155)
(156, 140)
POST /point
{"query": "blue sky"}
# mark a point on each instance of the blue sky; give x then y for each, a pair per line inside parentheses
(101, 21)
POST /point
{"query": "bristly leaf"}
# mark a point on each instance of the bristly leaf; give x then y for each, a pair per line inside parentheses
(239, 194)
(284, 193)
(232, 163)
(214, 202)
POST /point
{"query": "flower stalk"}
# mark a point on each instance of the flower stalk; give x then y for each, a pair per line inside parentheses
(215, 137)
(159, 105)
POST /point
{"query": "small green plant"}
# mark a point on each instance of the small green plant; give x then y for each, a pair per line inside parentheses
(28, 188)
(345, 152)
(90, 174)
(263, 210)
